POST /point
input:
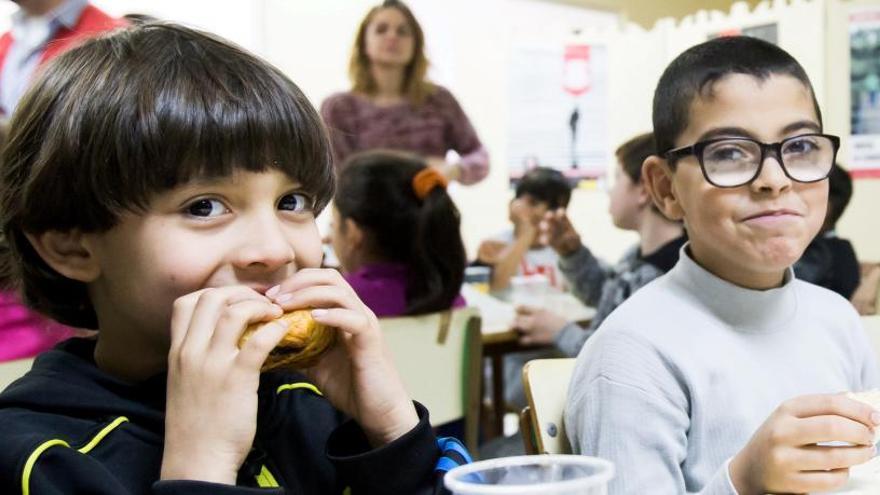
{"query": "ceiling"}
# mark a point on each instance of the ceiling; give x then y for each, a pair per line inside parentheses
(646, 12)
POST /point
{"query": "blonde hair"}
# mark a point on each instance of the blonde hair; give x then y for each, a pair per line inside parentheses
(416, 87)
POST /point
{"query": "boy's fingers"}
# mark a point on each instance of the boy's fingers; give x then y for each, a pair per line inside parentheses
(258, 346)
(320, 296)
(235, 318)
(832, 404)
(351, 322)
(819, 481)
(206, 313)
(823, 458)
(831, 428)
(308, 277)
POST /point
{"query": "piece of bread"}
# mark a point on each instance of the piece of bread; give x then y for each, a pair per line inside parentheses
(871, 398)
(306, 340)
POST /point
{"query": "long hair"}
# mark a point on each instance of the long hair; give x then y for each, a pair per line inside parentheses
(416, 87)
(376, 192)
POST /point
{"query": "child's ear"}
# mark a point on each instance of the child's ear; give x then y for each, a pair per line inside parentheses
(657, 180)
(354, 234)
(68, 253)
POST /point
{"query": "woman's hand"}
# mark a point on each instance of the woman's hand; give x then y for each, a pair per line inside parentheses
(357, 375)
(211, 409)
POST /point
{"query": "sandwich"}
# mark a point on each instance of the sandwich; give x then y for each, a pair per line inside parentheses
(306, 340)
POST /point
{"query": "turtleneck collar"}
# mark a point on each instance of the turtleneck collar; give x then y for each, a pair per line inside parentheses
(745, 310)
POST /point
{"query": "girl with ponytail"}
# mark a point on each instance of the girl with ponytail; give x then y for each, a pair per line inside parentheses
(397, 234)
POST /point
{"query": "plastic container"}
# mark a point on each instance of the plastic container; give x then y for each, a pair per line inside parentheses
(532, 474)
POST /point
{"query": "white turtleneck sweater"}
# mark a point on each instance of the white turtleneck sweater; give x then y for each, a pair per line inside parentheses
(679, 377)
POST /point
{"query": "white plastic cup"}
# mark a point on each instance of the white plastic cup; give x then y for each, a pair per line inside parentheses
(529, 290)
(532, 474)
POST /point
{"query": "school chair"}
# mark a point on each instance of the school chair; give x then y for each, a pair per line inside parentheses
(439, 357)
(546, 385)
(13, 370)
(872, 328)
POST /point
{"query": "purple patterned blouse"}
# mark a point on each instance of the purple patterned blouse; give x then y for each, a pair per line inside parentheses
(431, 129)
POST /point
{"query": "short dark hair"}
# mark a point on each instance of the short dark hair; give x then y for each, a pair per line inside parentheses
(546, 185)
(633, 153)
(124, 116)
(694, 72)
(376, 191)
(840, 190)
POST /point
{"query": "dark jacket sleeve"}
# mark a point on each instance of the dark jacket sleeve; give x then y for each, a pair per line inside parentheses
(403, 466)
(61, 470)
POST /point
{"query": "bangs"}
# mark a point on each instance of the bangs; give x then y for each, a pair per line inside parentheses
(157, 106)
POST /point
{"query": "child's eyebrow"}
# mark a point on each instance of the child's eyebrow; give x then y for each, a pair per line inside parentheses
(717, 132)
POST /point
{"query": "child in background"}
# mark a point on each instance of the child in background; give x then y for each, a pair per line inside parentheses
(397, 234)
(830, 261)
(520, 252)
(594, 282)
(23, 333)
(723, 376)
(160, 185)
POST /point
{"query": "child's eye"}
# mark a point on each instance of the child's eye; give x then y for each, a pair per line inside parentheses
(297, 203)
(727, 153)
(800, 146)
(206, 208)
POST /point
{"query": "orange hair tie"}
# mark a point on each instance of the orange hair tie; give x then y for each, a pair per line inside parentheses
(426, 180)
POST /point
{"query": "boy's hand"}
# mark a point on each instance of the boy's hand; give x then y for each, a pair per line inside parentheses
(557, 232)
(537, 326)
(357, 375)
(490, 251)
(211, 410)
(782, 456)
(521, 215)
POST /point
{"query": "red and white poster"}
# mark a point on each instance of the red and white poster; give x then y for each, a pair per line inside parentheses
(558, 110)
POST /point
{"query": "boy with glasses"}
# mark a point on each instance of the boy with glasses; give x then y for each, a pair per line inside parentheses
(722, 376)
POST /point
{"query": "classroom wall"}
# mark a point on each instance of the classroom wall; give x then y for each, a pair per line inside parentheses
(469, 45)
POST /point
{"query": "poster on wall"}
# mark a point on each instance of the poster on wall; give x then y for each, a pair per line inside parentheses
(864, 47)
(766, 32)
(559, 110)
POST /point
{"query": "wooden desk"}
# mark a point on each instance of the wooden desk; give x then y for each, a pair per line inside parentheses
(500, 338)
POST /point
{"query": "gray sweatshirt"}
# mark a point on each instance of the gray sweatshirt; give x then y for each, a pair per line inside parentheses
(675, 382)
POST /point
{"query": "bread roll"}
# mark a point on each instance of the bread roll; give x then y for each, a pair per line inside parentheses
(303, 344)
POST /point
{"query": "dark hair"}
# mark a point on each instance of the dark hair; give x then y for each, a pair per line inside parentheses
(114, 121)
(376, 192)
(416, 87)
(546, 185)
(633, 153)
(840, 190)
(693, 73)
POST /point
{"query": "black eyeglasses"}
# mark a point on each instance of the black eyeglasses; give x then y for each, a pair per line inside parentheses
(734, 162)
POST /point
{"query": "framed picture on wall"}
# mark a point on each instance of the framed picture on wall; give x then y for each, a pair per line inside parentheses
(864, 48)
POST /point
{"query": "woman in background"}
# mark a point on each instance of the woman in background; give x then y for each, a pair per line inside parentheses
(392, 105)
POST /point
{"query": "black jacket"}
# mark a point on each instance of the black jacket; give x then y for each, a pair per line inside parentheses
(66, 427)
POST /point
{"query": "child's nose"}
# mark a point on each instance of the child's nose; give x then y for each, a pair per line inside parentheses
(264, 246)
(772, 177)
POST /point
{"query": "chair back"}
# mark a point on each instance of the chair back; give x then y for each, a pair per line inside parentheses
(439, 358)
(546, 386)
(13, 370)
